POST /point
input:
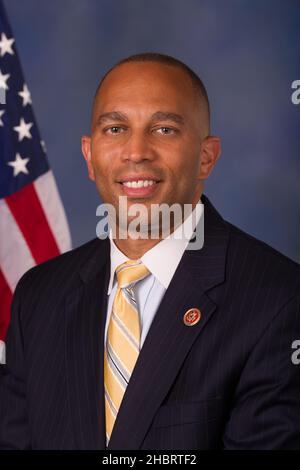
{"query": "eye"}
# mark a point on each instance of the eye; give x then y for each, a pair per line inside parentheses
(114, 130)
(166, 130)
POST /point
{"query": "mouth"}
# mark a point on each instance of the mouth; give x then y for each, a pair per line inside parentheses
(141, 186)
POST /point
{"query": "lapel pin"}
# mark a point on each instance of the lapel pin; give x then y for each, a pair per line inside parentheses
(191, 317)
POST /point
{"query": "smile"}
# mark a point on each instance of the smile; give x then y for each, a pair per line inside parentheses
(139, 188)
(139, 183)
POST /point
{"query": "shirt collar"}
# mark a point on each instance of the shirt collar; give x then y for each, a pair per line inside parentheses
(162, 259)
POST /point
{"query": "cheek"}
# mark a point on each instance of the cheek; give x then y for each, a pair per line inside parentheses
(104, 177)
(186, 167)
(102, 165)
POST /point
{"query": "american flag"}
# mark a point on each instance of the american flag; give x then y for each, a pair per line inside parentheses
(33, 225)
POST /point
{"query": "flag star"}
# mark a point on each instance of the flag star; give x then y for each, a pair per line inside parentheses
(25, 94)
(5, 45)
(23, 129)
(19, 165)
(3, 79)
(1, 114)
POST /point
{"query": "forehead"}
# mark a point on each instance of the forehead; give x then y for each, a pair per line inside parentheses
(146, 85)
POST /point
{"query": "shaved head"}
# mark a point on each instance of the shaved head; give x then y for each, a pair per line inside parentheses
(192, 79)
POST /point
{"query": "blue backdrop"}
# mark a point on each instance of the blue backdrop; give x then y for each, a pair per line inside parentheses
(248, 54)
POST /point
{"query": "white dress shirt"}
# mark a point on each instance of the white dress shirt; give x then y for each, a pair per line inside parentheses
(162, 261)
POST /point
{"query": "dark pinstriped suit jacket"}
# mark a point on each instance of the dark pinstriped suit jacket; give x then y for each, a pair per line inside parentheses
(227, 382)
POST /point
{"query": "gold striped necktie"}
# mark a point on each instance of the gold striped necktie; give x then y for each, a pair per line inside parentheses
(123, 339)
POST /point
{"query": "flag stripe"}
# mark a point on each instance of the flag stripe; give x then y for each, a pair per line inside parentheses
(47, 191)
(15, 257)
(28, 213)
(2, 352)
(6, 298)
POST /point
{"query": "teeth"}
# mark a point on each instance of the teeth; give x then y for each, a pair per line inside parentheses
(139, 183)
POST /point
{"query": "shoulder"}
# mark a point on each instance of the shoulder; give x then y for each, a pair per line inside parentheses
(60, 273)
(261, 265)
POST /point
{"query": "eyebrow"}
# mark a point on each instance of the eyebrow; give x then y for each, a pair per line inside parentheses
(166, 116)
(158, 116)
(112, 116)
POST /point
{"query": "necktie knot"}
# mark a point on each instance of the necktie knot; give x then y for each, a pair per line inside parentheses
(130, 272)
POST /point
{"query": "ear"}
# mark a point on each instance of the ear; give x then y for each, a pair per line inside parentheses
(86, 151)
(210, 152)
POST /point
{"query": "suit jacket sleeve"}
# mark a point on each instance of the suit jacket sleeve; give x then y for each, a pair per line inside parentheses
(266, 408)
(14, 428)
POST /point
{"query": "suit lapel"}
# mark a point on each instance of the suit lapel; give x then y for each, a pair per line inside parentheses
(85, 314)
(169, 340)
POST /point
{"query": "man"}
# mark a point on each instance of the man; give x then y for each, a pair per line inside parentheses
(189, 349)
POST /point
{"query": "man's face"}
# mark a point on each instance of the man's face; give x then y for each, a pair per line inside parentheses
(147, 125)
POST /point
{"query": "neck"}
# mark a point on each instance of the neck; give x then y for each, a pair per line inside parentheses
(135, 249)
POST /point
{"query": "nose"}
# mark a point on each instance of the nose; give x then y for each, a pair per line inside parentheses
(137, 148)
